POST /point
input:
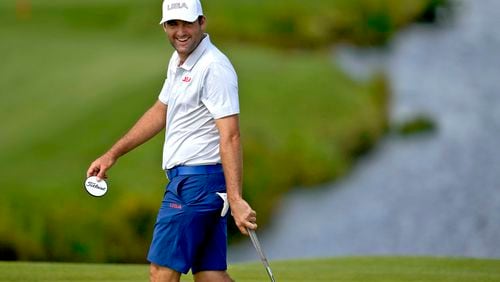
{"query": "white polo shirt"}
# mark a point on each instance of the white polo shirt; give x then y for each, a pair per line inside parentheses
(196, 93)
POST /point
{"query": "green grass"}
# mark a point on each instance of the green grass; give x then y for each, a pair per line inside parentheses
(68, 94)
(75, 75)
(362, 269)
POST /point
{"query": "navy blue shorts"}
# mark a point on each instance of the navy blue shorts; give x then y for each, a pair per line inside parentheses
(189, 232)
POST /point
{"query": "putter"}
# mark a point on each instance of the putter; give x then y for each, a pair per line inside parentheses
(256, 244)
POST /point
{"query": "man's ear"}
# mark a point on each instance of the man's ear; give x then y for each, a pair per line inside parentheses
(202, 20)
(164, 25)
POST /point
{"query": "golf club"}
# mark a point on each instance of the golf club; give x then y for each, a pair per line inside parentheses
(256, 244)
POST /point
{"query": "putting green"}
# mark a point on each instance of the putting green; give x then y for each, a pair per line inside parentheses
(362, 269)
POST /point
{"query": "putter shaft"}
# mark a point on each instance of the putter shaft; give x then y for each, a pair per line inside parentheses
(256, 244)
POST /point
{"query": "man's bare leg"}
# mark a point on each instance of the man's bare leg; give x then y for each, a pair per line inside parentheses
(212, 276)
(163, 274)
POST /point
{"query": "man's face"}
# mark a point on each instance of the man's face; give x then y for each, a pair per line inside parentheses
(185, 36)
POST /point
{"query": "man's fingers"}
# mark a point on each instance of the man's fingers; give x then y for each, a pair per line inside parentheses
(244, 216)
(100, 166)
(101, 175)
(243, 230)
(250, 224)
(92, 171)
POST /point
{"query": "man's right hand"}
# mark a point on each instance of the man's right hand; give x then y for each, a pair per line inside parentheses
(244, 216)
(100, 166)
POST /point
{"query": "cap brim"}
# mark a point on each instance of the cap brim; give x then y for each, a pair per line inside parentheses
(185, 18)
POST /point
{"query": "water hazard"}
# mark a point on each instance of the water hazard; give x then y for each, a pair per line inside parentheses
(435, 194)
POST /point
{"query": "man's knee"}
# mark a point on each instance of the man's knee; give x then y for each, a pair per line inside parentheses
(212, 276)
(163, 274)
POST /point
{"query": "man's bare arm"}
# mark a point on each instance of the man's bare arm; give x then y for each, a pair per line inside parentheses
(150, 124)
(232, 161)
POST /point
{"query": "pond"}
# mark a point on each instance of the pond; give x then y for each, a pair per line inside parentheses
(432, 194)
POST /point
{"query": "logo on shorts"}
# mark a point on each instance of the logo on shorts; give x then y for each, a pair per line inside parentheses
(186, 79)
(175, 206)
(177, 6)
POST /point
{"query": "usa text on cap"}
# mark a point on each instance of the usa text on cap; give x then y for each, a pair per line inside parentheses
(184, 10)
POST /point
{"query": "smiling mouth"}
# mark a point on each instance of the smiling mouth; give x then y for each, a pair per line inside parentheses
(183, 40)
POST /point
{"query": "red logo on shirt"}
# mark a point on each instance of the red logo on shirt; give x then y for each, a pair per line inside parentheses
(186, 79)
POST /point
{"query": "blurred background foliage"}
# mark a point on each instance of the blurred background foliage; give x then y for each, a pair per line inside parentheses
(75, 75)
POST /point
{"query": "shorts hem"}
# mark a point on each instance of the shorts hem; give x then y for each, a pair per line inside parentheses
(177, 269)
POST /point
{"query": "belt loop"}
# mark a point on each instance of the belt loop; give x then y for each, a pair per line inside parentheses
(170, 174)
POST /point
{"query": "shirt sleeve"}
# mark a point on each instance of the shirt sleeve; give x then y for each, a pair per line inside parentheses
(220, 91)
(165, 90)
(164, 93)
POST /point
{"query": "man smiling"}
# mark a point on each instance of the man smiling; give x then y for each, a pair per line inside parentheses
(198, 105)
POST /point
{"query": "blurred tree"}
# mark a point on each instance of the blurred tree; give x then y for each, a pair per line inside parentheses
(23, 9)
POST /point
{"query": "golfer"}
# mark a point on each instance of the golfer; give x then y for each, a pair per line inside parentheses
(198, 105)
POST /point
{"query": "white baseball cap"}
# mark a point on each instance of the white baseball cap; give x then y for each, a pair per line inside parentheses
(184, 10)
